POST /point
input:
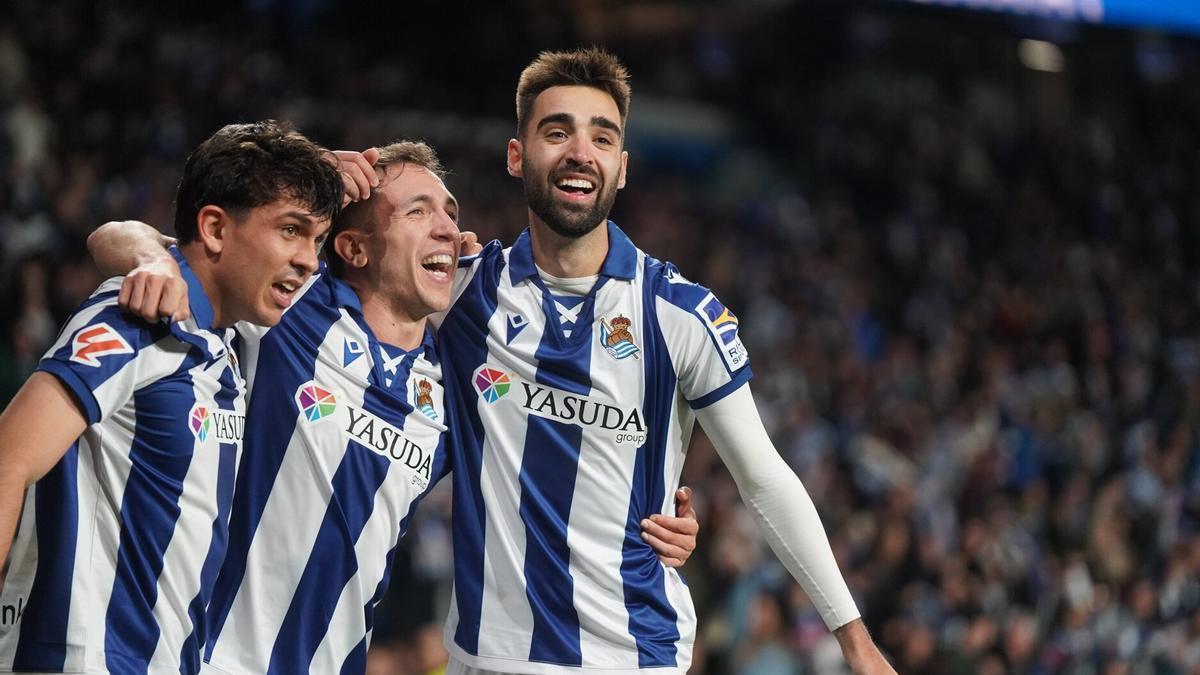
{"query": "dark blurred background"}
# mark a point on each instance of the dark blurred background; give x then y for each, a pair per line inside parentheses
(964, 248)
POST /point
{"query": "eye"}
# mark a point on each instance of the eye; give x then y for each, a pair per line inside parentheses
(291, 230)
(416, 211)
(557, 134)
(604, 140)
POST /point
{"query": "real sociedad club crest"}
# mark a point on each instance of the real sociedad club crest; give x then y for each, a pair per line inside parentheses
(616, 338)
(425, 399)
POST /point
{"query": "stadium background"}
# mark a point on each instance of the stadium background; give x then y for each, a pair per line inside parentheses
(963, 247)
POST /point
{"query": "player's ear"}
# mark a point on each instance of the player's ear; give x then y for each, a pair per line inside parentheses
(515, 153)
(212, 224)
(348, 244)
(624, 168)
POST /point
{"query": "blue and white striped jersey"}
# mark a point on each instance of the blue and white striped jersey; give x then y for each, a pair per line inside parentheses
(344, 437)
(571, 426)
(119, 545)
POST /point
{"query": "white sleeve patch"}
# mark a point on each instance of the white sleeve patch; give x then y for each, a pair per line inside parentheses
(723, 325)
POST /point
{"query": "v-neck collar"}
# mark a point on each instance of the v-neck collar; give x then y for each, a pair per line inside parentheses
(620, 263)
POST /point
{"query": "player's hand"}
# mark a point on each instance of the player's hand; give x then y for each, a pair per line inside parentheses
(357, 170)
(154, 291)
(468, 244)
(673, 538)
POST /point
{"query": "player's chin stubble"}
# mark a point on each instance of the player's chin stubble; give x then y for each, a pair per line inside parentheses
(566, 220)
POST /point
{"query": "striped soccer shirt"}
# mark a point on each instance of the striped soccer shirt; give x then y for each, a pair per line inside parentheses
(571, 426)
(344, 437)
(120, 542)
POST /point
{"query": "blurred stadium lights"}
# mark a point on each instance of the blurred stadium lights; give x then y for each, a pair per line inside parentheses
(1040, 55)
(1170, 15)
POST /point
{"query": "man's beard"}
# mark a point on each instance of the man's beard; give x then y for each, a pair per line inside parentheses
(565, 219)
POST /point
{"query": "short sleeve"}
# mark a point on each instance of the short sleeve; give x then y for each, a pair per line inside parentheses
(702, 337)
(102, 353)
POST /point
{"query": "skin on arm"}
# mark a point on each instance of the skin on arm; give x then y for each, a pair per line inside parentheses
(789, 520)
(153, 287)
(36, 429)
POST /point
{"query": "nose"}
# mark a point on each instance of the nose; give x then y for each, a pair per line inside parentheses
(304, 259)
(444, 227)
(579, 149)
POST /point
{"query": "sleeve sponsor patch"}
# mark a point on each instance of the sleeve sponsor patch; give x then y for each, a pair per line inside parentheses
(97, 340)
(723, 325)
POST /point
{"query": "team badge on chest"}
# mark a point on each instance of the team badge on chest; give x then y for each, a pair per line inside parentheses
(425, 399)
(617, 339)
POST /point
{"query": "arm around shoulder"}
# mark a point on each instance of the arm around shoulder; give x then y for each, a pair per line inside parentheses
(153, 286)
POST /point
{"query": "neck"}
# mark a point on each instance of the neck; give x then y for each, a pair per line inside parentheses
(388, 323)
(568, 257)
(201, 262)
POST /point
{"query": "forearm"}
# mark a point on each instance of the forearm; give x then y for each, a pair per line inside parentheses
(120, 246)
(780, 504)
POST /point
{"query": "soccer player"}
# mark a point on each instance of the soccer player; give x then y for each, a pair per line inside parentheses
(346, 423)
(575, 368)
(117, 457)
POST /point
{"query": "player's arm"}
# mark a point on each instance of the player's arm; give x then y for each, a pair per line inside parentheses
(673, 538)
(153, 286)
(788, 518)
(36, 429)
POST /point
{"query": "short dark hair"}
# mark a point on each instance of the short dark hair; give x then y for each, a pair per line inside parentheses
(358, 214)
(243, 166)
(591, 67)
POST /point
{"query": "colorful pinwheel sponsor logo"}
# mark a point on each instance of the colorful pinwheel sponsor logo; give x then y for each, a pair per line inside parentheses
(492, 384)
(316, 401)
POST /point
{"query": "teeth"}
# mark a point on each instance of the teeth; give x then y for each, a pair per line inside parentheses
(439, 259)
(575, 183)
(287, 286)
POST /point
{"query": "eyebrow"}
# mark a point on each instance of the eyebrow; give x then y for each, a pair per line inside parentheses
(429, 199)
(304, 217)
(569, 120)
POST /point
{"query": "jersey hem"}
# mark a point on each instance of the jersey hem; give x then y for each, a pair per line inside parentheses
(511, 665)
(741, 377)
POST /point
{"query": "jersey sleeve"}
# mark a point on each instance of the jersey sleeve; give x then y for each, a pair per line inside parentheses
(103, 354)
(702, 337)
(468, 268)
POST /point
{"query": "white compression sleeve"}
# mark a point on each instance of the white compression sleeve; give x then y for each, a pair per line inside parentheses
(780, 504)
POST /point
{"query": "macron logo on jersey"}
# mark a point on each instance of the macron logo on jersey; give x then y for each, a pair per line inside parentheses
(626, 424)
(351, 350)
(95, 341)
(723, 325)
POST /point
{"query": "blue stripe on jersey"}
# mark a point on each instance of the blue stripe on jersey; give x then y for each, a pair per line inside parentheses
(42, 645)
(469, 319)
(549, 465)
(270, 424)
(652, 619)
(333, 561)
(189, 654)
(160, 456)
(356, 660)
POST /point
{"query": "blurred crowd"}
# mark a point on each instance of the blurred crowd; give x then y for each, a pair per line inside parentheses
(970, 291)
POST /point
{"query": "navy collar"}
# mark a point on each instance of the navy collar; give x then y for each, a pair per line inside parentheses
(198, 302)
(343, 294)
(620, 263)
